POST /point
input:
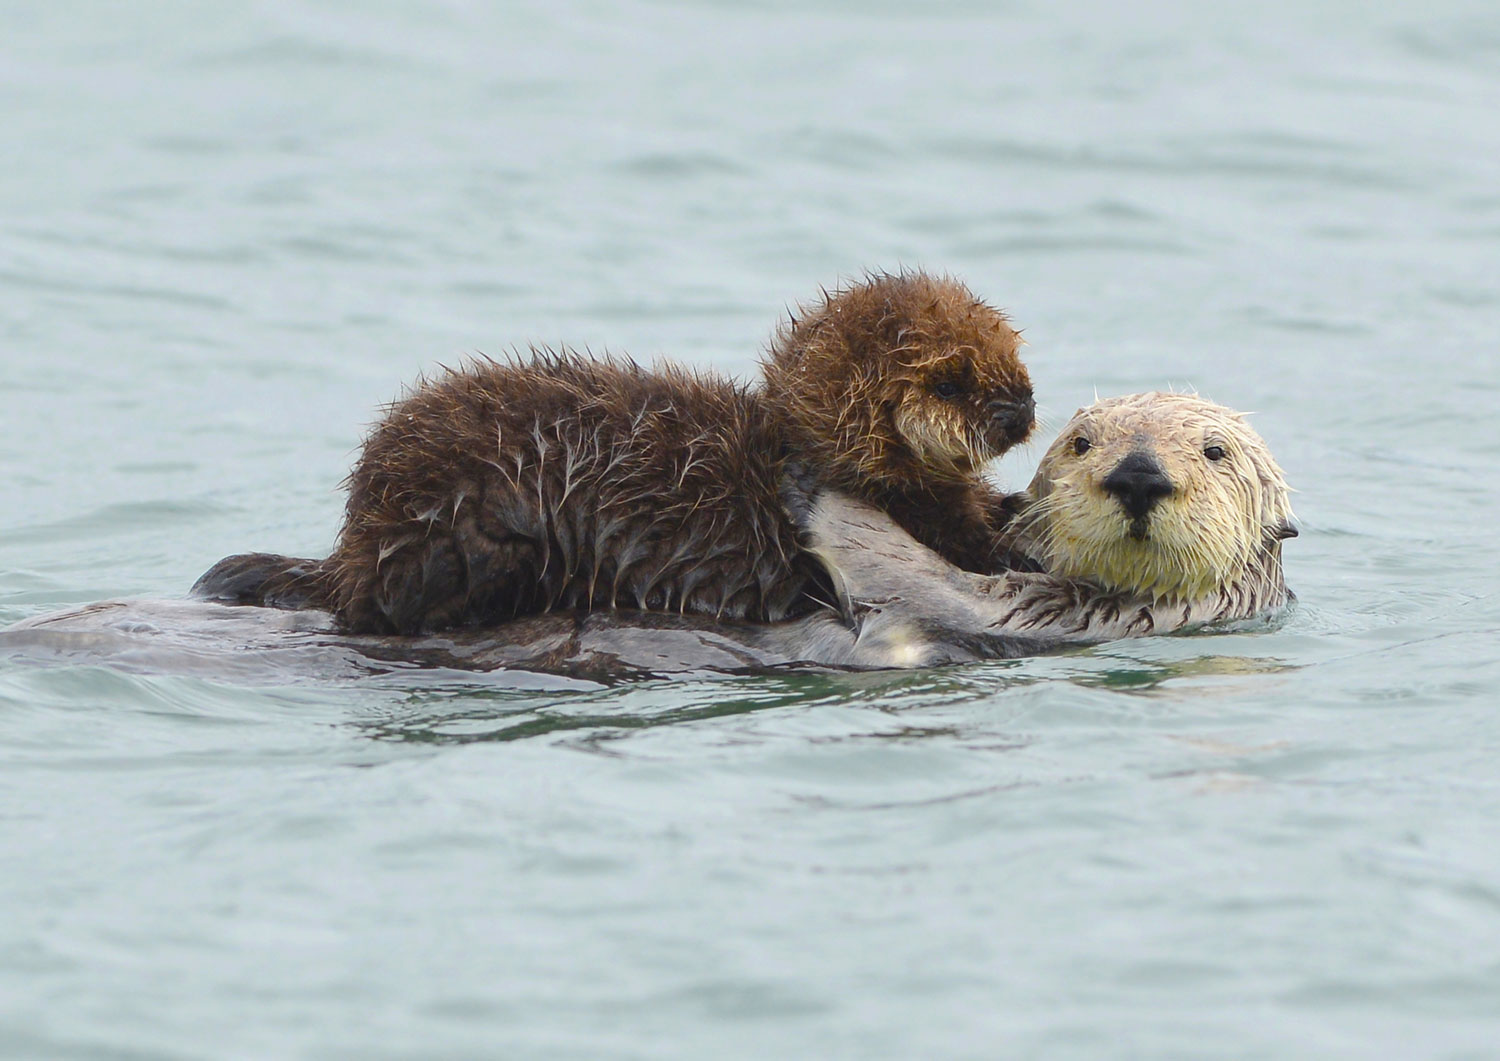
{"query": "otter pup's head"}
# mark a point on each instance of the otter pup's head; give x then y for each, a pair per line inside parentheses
(1166, 495)
(900, 381)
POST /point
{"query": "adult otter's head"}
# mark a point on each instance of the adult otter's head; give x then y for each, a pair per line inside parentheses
(901, 380)
(1165, 495)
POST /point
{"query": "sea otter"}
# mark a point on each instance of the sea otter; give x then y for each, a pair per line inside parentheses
(1165, 511)
(1150, 513)
(1164, 496)
(562, 481)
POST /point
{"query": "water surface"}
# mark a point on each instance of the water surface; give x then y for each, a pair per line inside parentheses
(230, 233)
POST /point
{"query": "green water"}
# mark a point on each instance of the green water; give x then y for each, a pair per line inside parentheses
(230, 233)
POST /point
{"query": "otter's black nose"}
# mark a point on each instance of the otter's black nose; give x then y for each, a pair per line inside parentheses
(1138, 482)
(1013, 417)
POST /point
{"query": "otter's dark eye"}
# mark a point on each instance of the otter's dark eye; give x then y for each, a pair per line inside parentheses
(948, 389)
(1214, 453)
(1082, 445)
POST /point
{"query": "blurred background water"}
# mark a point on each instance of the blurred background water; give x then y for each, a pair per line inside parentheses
(228, 232)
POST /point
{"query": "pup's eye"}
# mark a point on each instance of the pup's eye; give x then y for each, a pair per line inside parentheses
(948, 389)
(1214, 453)
(1082, 445)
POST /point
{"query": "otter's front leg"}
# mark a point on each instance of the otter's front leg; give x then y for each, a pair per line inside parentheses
(1005, 517)
(905, 604)
(966, 526)
(872, 559)
(798, 487)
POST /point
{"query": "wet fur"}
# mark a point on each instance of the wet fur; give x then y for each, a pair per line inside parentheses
(901, 605)
(1211, 552)
(566, 481)
(559, 480)
(855, 378)
(1216, 537)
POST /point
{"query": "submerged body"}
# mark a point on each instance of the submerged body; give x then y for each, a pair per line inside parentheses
(272, 646)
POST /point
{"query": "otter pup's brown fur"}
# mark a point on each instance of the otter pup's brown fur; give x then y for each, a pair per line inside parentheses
(565, 481)
(897, 391)
(569, 481)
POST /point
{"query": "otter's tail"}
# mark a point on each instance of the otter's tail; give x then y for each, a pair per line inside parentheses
(265, 579)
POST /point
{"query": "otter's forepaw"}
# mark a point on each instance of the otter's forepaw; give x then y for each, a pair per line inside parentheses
(1002, 509)
(1005, 559)
(799, 489)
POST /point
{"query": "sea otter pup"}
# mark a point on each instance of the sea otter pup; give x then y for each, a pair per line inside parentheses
(565, 481)
(1149, 513)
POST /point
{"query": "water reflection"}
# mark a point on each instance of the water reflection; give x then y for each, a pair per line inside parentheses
(1142, 676)
(467, 712)
(493, 716)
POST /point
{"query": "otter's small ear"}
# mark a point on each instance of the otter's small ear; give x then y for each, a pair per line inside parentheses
(1286, 529)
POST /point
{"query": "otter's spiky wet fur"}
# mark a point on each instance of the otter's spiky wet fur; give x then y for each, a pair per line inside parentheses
(568, 481)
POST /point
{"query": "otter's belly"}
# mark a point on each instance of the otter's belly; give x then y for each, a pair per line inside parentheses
(271, 646)
(268, 646)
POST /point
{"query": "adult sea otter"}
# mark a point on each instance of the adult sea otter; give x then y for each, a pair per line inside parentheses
(1153, 513)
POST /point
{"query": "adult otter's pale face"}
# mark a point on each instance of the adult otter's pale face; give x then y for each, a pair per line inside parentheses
(900, 380)
(1166, 495)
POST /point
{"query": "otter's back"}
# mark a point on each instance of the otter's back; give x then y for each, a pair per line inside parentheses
(508, 488)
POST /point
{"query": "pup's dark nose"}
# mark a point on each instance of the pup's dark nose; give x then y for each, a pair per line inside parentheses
(1138, 482)
(1013, 417)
